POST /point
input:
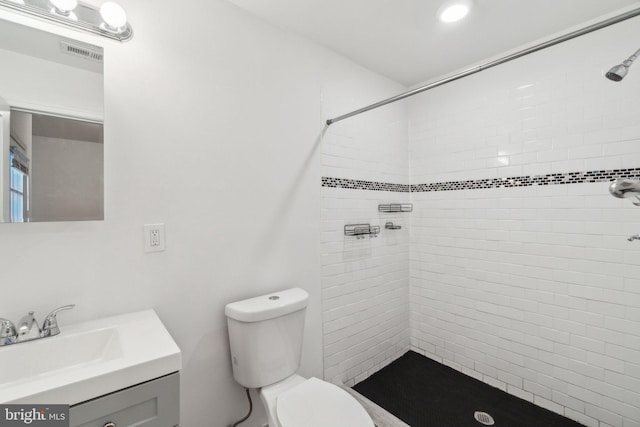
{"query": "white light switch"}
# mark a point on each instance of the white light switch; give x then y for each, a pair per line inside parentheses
(154, 237)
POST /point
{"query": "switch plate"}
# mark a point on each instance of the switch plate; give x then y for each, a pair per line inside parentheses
(154, 238)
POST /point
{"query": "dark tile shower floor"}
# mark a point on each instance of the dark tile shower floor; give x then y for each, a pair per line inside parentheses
(424, 393)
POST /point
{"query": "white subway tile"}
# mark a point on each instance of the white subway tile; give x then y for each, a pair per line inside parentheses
(582, 418)
(532, 289)
(596, 411)
(537, 389)
(547, 404)
(495, 383)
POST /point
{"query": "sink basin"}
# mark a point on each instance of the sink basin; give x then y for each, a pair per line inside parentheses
(88, 360)
(49, 357)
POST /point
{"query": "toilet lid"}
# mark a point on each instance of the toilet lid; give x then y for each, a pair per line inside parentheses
(316, 403)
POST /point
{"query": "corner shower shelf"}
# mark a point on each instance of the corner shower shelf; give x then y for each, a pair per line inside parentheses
(395, 207)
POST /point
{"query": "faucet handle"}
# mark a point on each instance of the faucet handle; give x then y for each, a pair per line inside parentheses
(8, 332)
(50, 324)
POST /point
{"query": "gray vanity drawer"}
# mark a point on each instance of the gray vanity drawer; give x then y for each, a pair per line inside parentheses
(152, 404)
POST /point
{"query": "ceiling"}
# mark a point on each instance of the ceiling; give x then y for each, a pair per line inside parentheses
(62, 128)
(404, 40)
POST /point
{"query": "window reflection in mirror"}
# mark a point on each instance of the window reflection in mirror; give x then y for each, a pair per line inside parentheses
(51, 127)
(56, 168)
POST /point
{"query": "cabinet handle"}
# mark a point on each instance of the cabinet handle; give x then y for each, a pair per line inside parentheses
(110, 424)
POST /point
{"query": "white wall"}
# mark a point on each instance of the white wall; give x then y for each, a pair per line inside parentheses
(371, 146)
(365, 282)
(533, 289)
(67, 180)
(41, 85)
(365, 285)
(213, 129)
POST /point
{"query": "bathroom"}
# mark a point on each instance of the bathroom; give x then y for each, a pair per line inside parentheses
(214, 125)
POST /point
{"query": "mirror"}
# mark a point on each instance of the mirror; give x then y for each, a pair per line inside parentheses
(51, 127)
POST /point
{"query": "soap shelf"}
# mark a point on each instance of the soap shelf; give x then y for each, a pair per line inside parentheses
(360, 231)
(395, 207)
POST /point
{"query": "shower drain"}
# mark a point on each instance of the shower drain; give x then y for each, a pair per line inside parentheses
(484, 418)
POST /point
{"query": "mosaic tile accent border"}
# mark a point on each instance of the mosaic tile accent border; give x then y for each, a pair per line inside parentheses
(354, 184)
(475, 184)
(528, 181)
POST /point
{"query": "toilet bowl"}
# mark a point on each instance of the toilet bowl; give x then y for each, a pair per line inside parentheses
(298, 401)
(265, 336)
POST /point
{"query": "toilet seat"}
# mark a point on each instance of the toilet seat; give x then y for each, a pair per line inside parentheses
(317, 403)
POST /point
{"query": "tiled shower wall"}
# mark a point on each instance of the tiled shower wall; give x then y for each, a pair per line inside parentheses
(365, 285)
(365, 282)
(533, 289)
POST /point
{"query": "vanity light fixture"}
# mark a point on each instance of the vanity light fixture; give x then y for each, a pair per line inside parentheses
(453, 11)
(114, 17)
(64, 7)
(110, 20)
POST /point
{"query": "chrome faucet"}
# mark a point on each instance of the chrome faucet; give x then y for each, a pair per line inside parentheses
(27, 328)
(8, 333)
(50, 324)
(634, 237)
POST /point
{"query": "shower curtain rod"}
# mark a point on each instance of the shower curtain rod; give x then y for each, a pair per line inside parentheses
(577, 33)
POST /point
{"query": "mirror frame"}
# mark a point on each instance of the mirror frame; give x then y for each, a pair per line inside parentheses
(5, 168)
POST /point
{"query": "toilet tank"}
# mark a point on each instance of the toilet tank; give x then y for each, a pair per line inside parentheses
(265, 334)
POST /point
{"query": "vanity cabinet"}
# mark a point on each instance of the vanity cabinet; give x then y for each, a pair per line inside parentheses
(155, 403)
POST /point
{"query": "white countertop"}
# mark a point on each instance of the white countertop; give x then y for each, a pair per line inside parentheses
(87, 360)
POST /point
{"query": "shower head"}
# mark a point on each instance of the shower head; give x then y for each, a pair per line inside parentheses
(618, 72)
(622, 188)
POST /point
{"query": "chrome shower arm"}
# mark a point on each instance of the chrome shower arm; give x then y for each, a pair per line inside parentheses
(538, 47)
(629, 61)
(623, 187)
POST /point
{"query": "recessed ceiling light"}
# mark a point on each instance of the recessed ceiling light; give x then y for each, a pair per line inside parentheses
(453, 11)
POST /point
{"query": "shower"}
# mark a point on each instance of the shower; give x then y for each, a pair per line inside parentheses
(618, 72)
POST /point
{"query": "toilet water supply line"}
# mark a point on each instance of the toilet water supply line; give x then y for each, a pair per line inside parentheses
(246, 417)
(560, 39)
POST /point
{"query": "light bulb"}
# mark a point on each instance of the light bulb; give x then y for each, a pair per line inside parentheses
(64, 6)
(454, 11)
(113, 15)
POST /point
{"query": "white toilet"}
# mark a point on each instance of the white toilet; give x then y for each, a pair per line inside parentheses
(265, 334)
